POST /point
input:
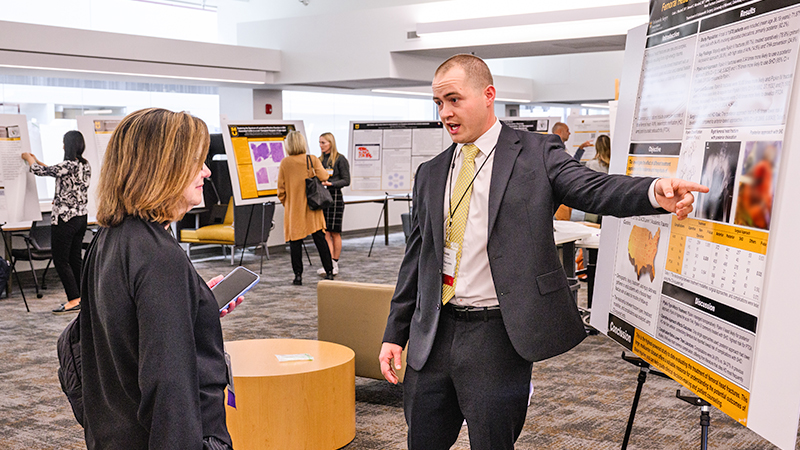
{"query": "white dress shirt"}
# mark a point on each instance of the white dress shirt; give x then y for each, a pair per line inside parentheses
(474, 284)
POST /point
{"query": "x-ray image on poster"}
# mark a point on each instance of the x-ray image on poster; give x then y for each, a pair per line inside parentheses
(719, 172)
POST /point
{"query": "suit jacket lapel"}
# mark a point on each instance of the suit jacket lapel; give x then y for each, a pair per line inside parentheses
(508, 147)
(438, 183)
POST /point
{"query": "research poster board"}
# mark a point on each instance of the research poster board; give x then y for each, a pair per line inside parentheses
(97, 131)
(19, 198)
(384, 156)
(541, 125)
(255, 150)
(586, 128)
(708, 300)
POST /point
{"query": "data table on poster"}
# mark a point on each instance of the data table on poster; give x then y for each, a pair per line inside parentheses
(728, 258)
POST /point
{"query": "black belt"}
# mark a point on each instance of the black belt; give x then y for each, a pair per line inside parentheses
(469, 314)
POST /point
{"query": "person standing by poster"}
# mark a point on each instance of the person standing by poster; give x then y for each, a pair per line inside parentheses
(603, 156)
(298, 219)
(69, 214)
(339, 170)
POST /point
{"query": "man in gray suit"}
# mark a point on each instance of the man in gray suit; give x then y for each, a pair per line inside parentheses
(481, 293)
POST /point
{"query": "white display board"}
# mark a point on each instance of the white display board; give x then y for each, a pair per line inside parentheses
(586, 128)
(709, 94)
(384, 156)
(19, 198)
(255, 149)
(97, 131)
(533, 124)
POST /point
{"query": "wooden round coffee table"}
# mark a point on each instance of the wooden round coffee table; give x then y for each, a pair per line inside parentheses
(291, 405)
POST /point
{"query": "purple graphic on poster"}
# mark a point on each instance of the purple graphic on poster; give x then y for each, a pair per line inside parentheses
(276, 151)
(260, 151)
(261, 176)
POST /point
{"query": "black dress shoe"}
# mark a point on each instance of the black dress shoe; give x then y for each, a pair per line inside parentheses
(62, 310)
(298, 280)
(329, 276)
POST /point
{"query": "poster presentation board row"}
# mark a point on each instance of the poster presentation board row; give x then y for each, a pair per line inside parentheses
(19, 198)
(385, 155)
(694, 297)
(255, 150)
(97, 131)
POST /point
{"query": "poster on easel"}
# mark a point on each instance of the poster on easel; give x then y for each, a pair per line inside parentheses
(255, 149)
(541, 125)
(384, 156)
(19, 198)
(97, 131)
(586, 128)
(710, 103)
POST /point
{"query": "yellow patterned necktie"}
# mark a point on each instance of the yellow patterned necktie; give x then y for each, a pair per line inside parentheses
(459, 210)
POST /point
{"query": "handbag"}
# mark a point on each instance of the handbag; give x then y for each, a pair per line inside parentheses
(318, 197)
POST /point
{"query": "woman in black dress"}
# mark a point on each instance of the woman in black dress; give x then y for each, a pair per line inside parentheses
(339, 171)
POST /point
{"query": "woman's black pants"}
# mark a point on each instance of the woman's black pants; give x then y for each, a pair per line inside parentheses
(66, 240)
(296, 248)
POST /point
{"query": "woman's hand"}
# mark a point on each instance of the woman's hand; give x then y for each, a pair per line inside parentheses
(29, 158)
(326, 183)
(213, 282)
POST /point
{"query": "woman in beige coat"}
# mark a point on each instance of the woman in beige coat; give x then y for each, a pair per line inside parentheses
(298, 219)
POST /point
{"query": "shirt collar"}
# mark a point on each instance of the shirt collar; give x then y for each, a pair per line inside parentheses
(487, 141)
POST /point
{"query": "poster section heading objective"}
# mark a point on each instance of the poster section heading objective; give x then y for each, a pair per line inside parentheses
(711, 107)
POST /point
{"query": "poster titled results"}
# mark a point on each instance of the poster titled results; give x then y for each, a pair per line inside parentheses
(711, 107)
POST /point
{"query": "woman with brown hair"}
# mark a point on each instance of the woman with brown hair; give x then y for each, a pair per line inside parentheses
(298, 219)
(603, 157)
(154, 369)
(339, 171)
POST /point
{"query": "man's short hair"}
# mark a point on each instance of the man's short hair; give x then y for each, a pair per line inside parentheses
(475, 69)
(558, 126)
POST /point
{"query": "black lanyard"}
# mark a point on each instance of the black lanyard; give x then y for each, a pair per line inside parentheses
(450, 208)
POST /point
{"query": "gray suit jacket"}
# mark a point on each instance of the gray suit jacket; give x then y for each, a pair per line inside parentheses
(532, 175)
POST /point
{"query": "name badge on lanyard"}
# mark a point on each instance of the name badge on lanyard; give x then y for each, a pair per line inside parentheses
(449, 262)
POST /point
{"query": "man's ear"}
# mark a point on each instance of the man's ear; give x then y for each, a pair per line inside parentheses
(490, 93)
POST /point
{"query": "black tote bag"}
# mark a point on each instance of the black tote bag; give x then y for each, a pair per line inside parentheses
(318, 197)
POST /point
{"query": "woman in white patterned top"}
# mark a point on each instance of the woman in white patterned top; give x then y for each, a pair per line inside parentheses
(69, 214)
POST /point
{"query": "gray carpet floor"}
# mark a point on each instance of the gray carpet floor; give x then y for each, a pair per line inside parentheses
(581, 401)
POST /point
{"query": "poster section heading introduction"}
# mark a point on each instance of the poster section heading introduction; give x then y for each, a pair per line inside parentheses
(384, 156)
(97, 131)
(255, 150)
(711, 107)
(19, 198)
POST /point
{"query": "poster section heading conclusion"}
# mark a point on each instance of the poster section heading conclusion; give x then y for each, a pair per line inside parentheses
(712, 104)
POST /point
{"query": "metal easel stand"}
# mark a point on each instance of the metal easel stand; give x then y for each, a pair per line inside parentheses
(13, 268)
(705, 417)
(378, 226)
(262, 244)
(644, 369)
